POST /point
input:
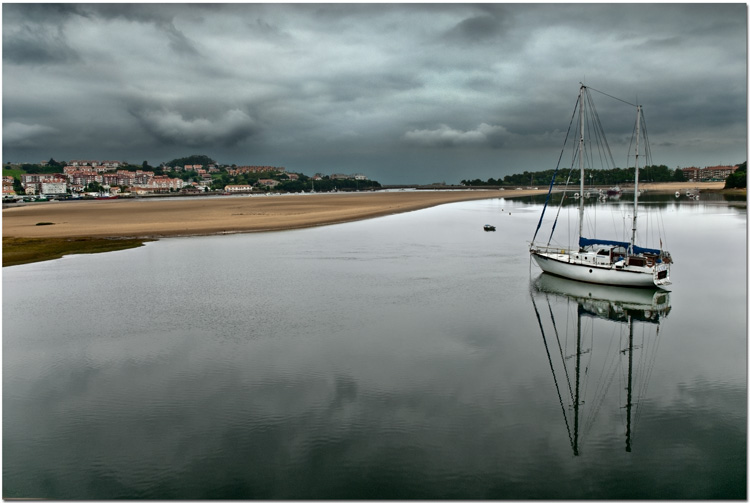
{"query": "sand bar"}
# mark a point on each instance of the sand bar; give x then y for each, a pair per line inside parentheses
(218, 214)
(155, 218)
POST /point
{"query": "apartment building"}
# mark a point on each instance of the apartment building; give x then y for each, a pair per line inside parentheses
(718, 172)
(709, 173)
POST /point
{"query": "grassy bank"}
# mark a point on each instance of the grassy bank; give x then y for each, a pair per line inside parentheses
(18, 251)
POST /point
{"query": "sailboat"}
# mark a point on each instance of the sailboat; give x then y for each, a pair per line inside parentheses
(594, 260)
(616, 330)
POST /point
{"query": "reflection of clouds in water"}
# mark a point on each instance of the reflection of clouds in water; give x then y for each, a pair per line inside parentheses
(273, 366)
(260, 430)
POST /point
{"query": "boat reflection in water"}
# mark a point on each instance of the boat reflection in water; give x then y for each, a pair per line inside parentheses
(611, 331)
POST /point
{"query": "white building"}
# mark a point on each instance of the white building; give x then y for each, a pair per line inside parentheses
(54, 187)
(238, 188)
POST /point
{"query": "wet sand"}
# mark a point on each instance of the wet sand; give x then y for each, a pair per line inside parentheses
(675, 186)
(153, 218)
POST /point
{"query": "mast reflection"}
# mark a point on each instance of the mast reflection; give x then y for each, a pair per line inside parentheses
(625, 321)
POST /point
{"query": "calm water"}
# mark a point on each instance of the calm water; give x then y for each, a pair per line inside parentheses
(410, 356)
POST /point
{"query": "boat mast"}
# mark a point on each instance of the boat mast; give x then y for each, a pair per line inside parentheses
(629, 404)
(577, 403)
(635, 197)
(580, 161)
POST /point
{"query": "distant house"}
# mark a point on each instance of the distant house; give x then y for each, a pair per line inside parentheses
(78, 163)
(141, 191)
(268, 182)
(233, 189)
(162, 183)
(8, 187)
(191, 189)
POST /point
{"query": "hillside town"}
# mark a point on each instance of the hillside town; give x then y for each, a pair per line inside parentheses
(109, 179)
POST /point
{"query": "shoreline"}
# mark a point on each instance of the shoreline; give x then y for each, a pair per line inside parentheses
(45, 231)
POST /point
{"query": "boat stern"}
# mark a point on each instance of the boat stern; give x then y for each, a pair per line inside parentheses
(661, 275)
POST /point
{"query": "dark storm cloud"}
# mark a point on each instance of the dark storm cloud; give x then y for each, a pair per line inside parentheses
(32, 34)
(445, 136)
(489, 25)
(404, 92)
(170, 126)
(37, 45)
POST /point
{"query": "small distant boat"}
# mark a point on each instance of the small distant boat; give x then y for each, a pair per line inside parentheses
(614, 191)
(489, 228)
(106, 196)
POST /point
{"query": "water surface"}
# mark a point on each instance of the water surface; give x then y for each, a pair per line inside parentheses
(404, 357)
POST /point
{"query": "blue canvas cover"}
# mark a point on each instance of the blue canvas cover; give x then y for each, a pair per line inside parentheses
(636, 249)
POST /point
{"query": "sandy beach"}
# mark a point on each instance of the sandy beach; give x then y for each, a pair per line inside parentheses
(154, 218)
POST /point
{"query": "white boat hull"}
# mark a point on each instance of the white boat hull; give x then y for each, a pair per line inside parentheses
(562, 265)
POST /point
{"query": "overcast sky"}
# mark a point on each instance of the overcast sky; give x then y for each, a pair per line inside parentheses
(404, 93)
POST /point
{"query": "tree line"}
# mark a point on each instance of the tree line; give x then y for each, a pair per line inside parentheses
(653, 173)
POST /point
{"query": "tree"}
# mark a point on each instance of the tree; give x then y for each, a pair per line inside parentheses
(738, 179)
(17, 187)
(31, 168)
(190, 160)
(94, 187)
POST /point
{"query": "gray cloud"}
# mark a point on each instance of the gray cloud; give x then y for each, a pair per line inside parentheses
(445, 136)
(37, 45)
(386, 89)
(172, 127)
(25, 135)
